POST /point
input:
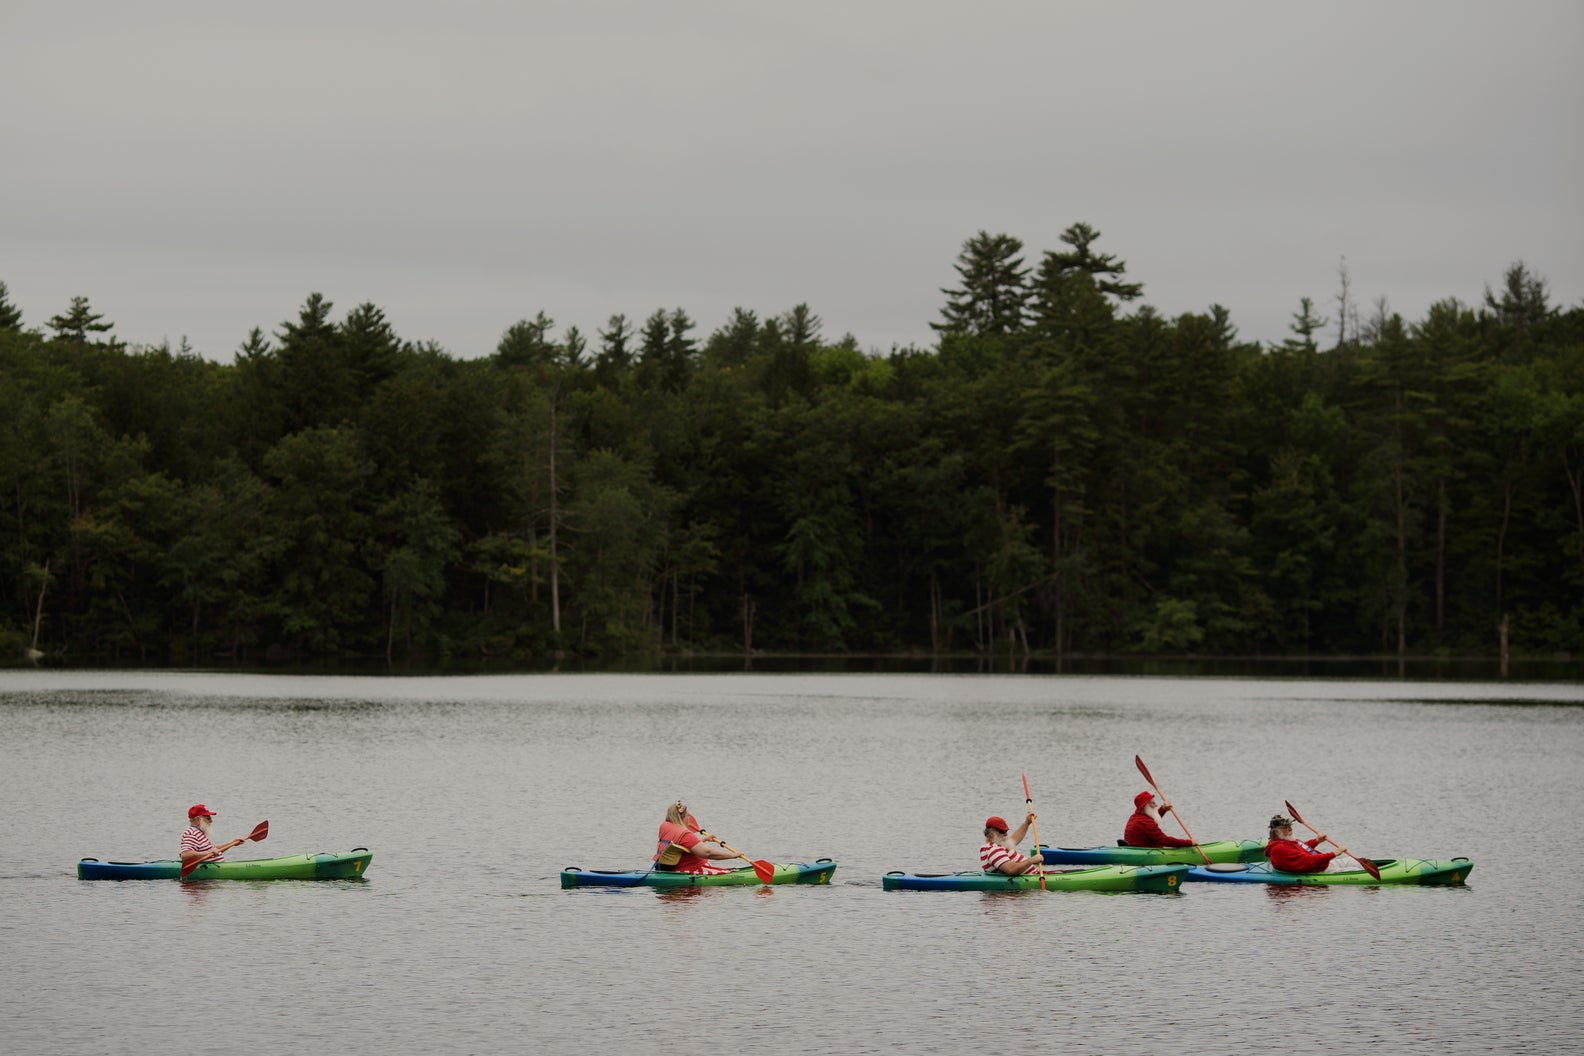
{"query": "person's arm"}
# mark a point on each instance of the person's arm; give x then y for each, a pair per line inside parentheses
(1172, 841)
(1022, 830)
(700, 847)
(1148, 830)
(1012, 866)
(192, 850)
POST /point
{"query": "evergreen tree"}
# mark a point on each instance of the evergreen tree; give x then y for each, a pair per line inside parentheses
(77, 322)
(652, 350)
(315, 385)
(615, 358)
(1305, 325)
(10, 314)
(990, 302)
(733, 344)
(1104, 268)
(527, 343)
(369, 348)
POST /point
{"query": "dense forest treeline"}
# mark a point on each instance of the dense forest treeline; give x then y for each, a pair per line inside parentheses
(1065, 471)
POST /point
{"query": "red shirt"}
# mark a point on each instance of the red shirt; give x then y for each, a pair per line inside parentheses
(1290, 856)
(684, 839)
(1144, 831)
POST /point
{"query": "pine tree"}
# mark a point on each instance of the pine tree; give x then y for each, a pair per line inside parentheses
(991, 300)
(1104, 268)
(10, 314)
(77, 322)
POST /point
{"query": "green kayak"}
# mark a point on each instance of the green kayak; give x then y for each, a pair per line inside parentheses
(348, 866)
(1443, 872)
(1099, 878)
(816, 872)
(1215, 851)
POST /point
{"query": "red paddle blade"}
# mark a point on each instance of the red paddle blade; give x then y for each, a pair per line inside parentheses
(763, 870)
(260, 831)
(1143, 770)
(1293, 811)
(188, 867)
(692, 823)
(1369, 867)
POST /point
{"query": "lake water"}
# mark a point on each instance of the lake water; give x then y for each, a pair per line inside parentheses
(473, 792)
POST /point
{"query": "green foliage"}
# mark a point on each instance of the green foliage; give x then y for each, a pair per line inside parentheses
(1065, 471)
(10, 314)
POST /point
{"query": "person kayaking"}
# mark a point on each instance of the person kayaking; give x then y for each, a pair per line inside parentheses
(1290, 856)
(195, 842)
(684, 848)
(1143, 827)
(999, 853)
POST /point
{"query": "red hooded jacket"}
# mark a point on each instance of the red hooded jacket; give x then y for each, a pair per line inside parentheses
(1144, 831)
(1290, 856)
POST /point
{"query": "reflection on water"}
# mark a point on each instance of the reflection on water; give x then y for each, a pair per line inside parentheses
(475, 791)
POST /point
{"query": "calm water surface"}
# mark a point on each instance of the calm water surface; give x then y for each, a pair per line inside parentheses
(473, 792)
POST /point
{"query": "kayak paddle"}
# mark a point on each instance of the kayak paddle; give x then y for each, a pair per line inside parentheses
(260, 831)
(1369, 866)
(1039, 855)
(1166, 802)
(762, 869)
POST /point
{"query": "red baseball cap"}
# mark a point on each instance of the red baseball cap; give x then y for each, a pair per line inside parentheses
(995, 821)
(197, 809)
(1143, 798)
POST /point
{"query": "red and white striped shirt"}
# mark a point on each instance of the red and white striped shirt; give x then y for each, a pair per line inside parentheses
(992, 856)
(195, 840)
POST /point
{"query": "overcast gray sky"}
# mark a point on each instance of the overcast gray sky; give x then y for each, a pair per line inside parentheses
(198, 168)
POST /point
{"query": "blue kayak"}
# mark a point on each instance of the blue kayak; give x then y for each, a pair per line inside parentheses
(1097, 878)
(817, 872)
(1439, 872)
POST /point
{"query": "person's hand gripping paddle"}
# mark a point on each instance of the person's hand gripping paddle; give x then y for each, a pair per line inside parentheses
(1167, 805)
(260, 831)
(762, 869)
(1039, 855)
(1369, 866)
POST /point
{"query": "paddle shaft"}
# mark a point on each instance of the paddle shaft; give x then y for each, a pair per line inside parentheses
(762, 869)
(1139, 762)
(1039, 856)
(260, 831)
(1369, 867)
